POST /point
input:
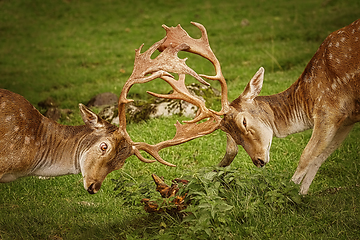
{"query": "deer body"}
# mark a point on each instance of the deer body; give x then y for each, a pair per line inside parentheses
(326, 97)
(35, 145)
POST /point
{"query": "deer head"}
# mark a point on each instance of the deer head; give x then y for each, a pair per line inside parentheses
(102, 150)
(245, 124)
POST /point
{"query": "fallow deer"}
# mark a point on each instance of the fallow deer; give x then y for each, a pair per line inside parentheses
(35, 145)
(326, 97)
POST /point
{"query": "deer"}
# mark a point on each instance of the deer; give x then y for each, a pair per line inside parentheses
(33, 145)
(325, 98)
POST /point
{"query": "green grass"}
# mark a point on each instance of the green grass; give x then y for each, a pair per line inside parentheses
(72, 50)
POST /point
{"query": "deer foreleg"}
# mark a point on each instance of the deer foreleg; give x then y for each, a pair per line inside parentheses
(231, 151)
(316, 152)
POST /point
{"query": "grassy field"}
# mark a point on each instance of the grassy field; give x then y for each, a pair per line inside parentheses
(72, 50)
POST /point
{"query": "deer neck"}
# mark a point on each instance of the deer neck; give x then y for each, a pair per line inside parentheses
(285, 113)
(60, 149)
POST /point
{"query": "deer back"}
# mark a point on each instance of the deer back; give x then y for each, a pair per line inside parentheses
(20, 123)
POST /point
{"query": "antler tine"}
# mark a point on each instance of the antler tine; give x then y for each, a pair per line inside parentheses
(184, 133)
(182, 93)
(153, 150)
(177, 35)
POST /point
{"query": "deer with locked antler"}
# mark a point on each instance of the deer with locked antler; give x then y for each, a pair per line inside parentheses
(250, 120)
(35, 145)
(326, 97)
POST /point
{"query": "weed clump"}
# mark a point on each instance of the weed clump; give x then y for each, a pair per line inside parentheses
(216, 198)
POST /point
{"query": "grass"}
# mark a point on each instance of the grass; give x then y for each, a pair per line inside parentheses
(72, 50)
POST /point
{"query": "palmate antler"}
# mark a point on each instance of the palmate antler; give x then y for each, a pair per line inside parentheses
(177, 36)
(147, 69)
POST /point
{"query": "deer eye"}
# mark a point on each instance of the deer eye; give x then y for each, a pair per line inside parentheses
(244, 122)
(103, 147)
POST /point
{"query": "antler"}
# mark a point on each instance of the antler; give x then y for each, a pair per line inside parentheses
(191, 129)
(147, 69)
(177, 36)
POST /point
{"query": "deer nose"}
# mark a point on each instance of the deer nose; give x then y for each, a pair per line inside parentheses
(259, 162)
(91, 189)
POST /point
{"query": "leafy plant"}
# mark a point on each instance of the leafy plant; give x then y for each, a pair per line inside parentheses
(208, 207)
(217, 196)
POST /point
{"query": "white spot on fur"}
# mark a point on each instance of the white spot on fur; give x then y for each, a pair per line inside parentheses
(333, 86)
(16, 128)
(22, 113)
(330, 55)
(348, 77)
(3, 104)
(27, 140)
(338, 80)
(337, 60)
(8, 119)
(337, 44)
(342, 39)
(10, 147)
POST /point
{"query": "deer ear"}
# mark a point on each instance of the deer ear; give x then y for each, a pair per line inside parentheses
(90, 118)
(253, 88)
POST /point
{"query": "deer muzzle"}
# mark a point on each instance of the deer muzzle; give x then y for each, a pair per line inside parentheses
(94, 187)
(259, 162)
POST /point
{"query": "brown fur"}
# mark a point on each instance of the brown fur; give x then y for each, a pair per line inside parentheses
(326, 98)
(35, 145)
